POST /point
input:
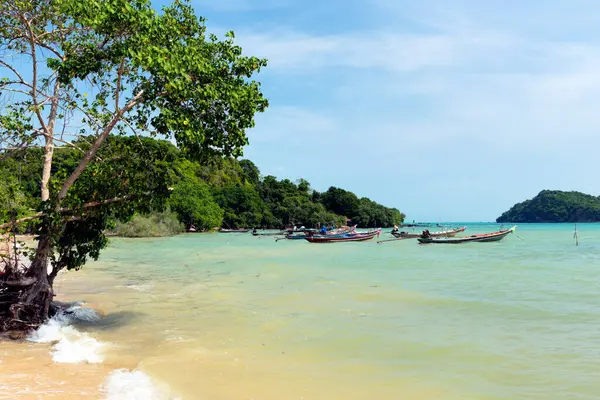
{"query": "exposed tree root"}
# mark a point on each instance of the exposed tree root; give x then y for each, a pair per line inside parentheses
(25, 293)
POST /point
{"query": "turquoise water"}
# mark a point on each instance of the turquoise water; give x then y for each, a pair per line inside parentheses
(231, 316)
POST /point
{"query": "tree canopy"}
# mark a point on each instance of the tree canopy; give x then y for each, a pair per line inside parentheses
(555, 206)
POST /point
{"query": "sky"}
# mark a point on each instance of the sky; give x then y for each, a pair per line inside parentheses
(449, 110)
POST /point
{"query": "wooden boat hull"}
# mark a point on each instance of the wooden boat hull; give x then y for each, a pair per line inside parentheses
(481, 238)
(450, 233)
(234, 230)
(352, 237)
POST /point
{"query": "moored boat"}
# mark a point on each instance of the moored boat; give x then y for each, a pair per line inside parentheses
(304, 233)
(482, 237)
(446, 233)
(243, 230)
(297, 236)
(346, 237)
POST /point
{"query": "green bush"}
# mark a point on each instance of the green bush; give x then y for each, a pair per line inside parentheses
(151, 225)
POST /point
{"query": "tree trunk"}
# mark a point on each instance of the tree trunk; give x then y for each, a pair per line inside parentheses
(49, 145)
(48, 153)
(40, 294)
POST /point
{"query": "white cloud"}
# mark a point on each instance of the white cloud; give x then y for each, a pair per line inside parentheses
(291, 125)
(297, 52)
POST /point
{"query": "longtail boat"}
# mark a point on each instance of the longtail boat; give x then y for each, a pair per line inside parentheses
(299, 236)
(482, 237)
(244, 230)
(346, 237)
(446, 233)
(304, 233)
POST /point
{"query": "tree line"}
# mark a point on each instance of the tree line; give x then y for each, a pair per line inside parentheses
(222, 192)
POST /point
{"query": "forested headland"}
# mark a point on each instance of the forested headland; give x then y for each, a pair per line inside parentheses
(221, 192)
(555, 206)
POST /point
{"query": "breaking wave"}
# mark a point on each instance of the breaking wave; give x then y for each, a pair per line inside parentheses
(70, 345)
(132, 385)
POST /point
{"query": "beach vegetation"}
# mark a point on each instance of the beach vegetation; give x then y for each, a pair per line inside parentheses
(157, 224)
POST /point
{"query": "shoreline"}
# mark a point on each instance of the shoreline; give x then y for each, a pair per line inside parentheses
(69, 357)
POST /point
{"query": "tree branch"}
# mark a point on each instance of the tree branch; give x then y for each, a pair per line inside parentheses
(21, 80)
(35, 73)
(7, 89)
(90, 204)
(61, 141)
(119, 77)
(21, 220)
(92, 152)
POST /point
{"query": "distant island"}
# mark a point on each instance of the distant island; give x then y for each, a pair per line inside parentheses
(555, 206)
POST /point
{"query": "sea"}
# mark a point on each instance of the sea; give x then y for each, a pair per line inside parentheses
(230, 316)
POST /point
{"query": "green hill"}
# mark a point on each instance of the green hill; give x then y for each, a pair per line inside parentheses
(555, 206)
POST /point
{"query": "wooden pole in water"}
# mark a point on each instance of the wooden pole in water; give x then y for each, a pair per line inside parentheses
(393, 240)
(576, 236)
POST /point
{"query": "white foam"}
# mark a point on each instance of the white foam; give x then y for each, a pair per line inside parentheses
(131, 385)
(70, 345)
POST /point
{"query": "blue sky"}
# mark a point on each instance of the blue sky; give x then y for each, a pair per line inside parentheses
(450, 110)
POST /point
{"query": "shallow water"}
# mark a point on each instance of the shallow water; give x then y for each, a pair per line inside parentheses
(231, 316)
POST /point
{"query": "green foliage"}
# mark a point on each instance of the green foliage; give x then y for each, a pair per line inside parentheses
(555, 206)
(242, 205)
(150, 225)
(340, 201)
(372, 214)
(12, 199)
(193, 202)
(196, 88)
(130, 176)
(250, 171)
(363, 212)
